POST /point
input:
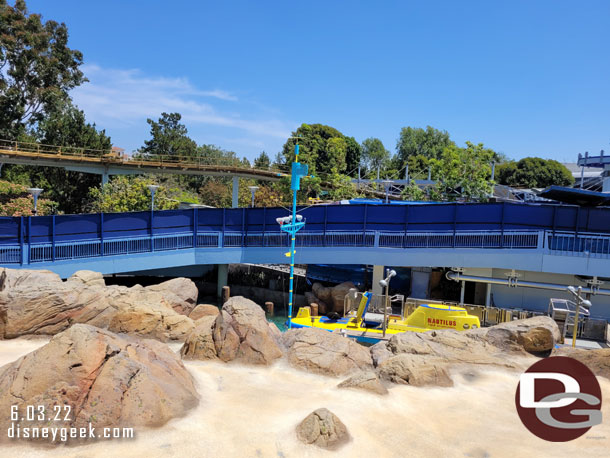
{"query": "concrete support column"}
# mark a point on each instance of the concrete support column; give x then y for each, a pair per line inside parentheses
(488, 295)
(235, 201)
(104, 178)
(223, 278)
(377, 277)
(606, 179)
(462, 290)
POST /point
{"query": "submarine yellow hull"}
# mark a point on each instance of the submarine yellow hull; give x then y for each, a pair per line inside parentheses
(427, 317)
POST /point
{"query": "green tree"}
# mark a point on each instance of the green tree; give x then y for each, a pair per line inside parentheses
(534, 172)
(414, 141)
(37, 68)
(374, 155)
(67, 127)
(462, 173)
(125, 194)
(321, 147)
(15, 200)
(353, 153)
(262, 161)
(169, 138)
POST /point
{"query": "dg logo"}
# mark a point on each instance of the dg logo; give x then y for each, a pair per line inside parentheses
(559, 399)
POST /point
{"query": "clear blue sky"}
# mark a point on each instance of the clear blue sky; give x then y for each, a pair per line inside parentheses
(523, 77)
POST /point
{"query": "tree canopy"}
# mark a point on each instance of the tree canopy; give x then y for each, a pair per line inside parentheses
(415, 141)
(169, 137)
(37, 68)
(374, 155)
(534, 172)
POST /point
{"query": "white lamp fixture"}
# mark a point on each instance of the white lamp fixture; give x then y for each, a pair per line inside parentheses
(35, 193)
(153, 188)
(253, 191)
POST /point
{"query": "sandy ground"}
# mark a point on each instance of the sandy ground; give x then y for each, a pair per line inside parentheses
(252, 412)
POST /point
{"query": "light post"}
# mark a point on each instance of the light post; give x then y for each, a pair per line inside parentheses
(386, 283)
(579, 301)
(386, 185)
(153, 188)
(253, 191)
(292, 224)
(35, 193)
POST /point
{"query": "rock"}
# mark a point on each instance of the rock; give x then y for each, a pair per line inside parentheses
(178, 293)
(199, 344)
(322, 352)
(12, 278)
(240, 332)
(204, 310)
(49, 308)
(380, 352)
(331, 299)
(597, 360)
(535, 335)
(105, 379)
(32, 305)
(324, 429)
(258, 343)
(366, 380)
(134, 314)
(88, 277)
(416, 370)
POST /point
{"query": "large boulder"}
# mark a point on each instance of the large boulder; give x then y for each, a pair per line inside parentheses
(240, 332)
(11, 278)
(104, 379)
(322, 352)
(40, 303)
(324, 429)
(598, 360)
(332, 297)
(88, 277)
(178, 293)
(204, 310)
(416, 370)
(365, 380)
(199, 344)
(538, 334)
(51, 307)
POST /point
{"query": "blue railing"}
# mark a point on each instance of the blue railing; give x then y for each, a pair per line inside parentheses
(555, 229)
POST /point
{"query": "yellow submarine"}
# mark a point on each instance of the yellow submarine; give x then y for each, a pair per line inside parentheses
(373, 327)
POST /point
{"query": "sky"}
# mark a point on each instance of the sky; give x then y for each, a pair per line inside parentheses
(526, 78)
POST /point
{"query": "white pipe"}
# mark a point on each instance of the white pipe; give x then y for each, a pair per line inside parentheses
(457, 276)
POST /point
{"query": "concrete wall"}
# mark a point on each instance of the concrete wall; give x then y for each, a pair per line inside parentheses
(538, 299)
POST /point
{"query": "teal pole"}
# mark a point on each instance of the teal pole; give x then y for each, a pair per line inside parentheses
(293, 234)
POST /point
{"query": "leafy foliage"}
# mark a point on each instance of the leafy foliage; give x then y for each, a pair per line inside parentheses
(322, 147)
(168, 138)
(429, 143)
(15, 200)
(37, 68)
(125, 194)
(262, 161)
(534, 172)
(462, 173)
(374, 155)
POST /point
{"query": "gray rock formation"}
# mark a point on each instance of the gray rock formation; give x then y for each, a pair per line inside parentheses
(324, 429)
(322, 352)
(105, 379)
(365, 380)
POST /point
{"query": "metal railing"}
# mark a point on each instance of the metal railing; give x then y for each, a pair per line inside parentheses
(596, 245)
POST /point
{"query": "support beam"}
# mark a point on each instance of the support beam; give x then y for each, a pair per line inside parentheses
(488, 295)
(235, 201)
(223, 278)
(377, 277)
(462, 290)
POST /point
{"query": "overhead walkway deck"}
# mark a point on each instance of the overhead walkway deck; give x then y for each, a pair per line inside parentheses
(107, 162)
(537, 238)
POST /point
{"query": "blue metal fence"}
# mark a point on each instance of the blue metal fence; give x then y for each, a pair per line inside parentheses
(560, 229)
